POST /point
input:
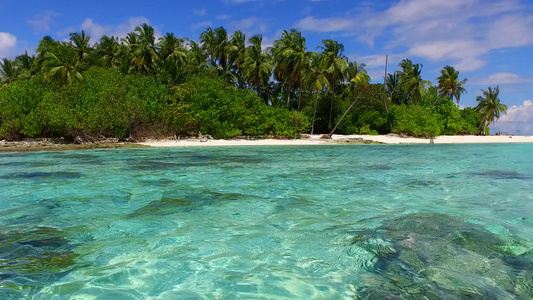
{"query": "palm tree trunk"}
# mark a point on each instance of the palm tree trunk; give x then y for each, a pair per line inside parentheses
(385, 93)
(300, 94)
(289, 96)
(314, 114)
(331, 107)
(345, 113)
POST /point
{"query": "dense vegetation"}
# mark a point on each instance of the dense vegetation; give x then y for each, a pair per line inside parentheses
(224, 86)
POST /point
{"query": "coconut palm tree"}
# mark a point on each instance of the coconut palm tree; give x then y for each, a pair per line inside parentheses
(257, 67)
(336, 65)
(47, 44)
(290, 59)
(25, 65)
(196, 59)
(316, 80)
(8, 71)
(411, 80)
(143, 53)
(361, 80)
(61, 65)
(215, 43)
(173, 57)
(394, 88)
(108, 51)
(449, 85)
(80, 43)
(146, 34)
(489, 107)
(236, 54)
(130, 39)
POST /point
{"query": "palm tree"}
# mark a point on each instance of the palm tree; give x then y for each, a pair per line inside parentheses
(80, 43)
(108, 51)
(360, 80)
(411, 80)
(131, 39)
(196, 59)
(61, 66)
(336, 66)
(257, 67)
(47, 44)
(290, 59)
(25, 65)
(144, 55)
(449, 85)
(173, 56)
(489, 107)
(236, 54)
(316, 80)
(8, 71)
(394, 89)
(215, 43)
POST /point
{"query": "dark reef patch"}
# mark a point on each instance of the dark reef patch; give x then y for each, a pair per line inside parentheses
(434, 256)
(171, 204)
(502, 174)
(32, 258)
(42, 175)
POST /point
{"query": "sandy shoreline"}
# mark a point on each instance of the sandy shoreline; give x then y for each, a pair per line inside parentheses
(340, 139)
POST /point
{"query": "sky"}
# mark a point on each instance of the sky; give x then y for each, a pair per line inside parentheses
(489, 42)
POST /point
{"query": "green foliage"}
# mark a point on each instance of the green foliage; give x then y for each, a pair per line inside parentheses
(144, 87)
(368, 111)
(110, 104)
(472, 120)
(224, 111)
(19, 114)
(414, 120)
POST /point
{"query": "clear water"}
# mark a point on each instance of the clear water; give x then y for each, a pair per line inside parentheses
(317, 222)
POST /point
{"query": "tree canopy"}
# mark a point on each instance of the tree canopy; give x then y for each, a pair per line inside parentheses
(143, 85)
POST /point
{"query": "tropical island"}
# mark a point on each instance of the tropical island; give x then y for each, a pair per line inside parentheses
(329, 222)
(224, 86)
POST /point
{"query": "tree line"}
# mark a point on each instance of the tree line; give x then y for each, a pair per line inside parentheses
(224, 85)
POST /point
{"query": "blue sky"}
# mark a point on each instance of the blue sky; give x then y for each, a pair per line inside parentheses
(490, 42)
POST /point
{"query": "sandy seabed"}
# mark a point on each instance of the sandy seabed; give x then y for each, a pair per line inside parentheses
(340, 139)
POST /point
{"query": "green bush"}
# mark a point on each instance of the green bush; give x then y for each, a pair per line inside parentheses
(18, 102)
(414, 120)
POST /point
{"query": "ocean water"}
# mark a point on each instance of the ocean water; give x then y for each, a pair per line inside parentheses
(291, 222)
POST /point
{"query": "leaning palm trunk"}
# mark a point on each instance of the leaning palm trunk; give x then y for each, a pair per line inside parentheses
(346, 113)
(331, 107)
(300, 94)
(289, 96)
(314, 114)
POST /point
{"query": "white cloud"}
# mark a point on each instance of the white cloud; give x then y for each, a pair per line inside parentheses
(250, 26)
(459, 32)
(223, 17)
(376, 75)
(199, 12)
(511, 31)
(41, 22)
(469, 64)
(202, 25)
(439, 50)
(240, 1)
(518, 118)
(503, 78)
(326, 24)
(8, 43)
(377, 60)
(120, 30)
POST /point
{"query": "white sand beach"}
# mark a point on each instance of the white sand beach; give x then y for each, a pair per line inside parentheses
(339, 139)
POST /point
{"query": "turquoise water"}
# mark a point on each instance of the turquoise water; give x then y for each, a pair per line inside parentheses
(317, 222)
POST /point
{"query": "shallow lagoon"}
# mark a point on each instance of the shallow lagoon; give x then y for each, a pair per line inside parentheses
(324, 222)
